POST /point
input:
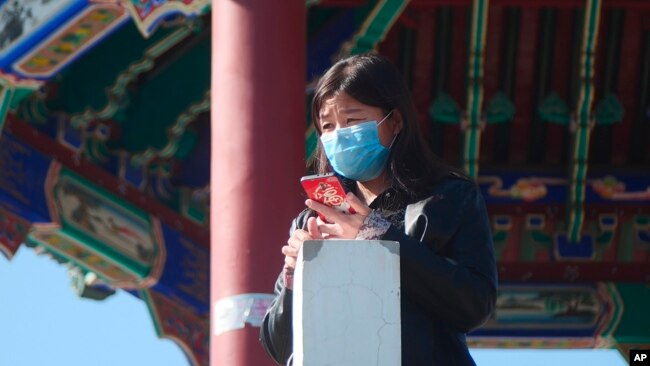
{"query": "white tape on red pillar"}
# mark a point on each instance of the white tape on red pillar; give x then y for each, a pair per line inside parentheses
(234, 312)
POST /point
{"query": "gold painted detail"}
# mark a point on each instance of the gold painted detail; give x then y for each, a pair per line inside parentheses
(64, 46)
(72, 250)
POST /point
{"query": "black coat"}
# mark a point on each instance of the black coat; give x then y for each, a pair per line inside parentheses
(447, 269)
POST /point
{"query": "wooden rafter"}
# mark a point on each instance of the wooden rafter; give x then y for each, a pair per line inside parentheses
(474, 105)
(583, 121)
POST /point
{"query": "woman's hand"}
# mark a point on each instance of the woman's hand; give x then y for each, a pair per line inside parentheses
(292, 248)
(297, 238)
(341, 225)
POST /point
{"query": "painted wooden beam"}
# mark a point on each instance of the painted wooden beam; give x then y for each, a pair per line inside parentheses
(373, 30)
(474, 105)
(69, 158)
(573, 272)
(582, 124)
(628, 4)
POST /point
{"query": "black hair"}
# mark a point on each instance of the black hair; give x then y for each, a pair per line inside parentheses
(374, 81)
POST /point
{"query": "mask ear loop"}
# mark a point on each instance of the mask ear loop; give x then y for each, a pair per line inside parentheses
(382, 121)
(392, 142)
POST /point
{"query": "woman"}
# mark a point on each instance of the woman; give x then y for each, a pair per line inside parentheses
(366, 120)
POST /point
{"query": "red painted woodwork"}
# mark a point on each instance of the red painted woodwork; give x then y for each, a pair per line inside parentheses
(628, 84)
(423, 69)
(390, 46)
(457, 82)
(524, 84)
(258, 122)
(560, 79)
(573, 272)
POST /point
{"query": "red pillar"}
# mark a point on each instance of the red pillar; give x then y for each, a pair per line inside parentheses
(258, 124)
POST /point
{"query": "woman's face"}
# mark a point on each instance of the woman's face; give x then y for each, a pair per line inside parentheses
(342, 111)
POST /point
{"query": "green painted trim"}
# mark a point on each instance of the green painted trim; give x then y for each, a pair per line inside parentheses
(472, 135)
(553, 109)
(63, 257)
(634, 325)
(541, 237)
(609, 110)
(376, 25)
(175, 133)
(499, 236)
(6, 94)
(139, 271)
(618, 310)
(194, 209)
(500, 109)
(117, 93)
(144, 294)
(582, 134)
(532, 242)
(605, 238)
(157, 322)
(309, 3)
(12, 92)
(20, 93)
(444, 109)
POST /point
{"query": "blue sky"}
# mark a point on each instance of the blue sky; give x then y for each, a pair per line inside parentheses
(42, 322)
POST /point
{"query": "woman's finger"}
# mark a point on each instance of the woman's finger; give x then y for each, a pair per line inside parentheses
(312, 228)
(331, 213)
(357, 205)
(330, 229)
(301, 234)
(290, 251)
(295, 242)
(290, 262)
(298, 237)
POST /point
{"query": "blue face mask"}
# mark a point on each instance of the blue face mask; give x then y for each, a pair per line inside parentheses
(355, 152)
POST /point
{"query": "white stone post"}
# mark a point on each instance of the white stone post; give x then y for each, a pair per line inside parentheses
(346, 304)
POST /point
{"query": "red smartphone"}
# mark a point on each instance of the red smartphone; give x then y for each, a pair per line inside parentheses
(326, 189)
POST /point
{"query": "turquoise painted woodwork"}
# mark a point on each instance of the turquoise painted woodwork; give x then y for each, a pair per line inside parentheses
(583, 121)
(474, 105)
(376, 25)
